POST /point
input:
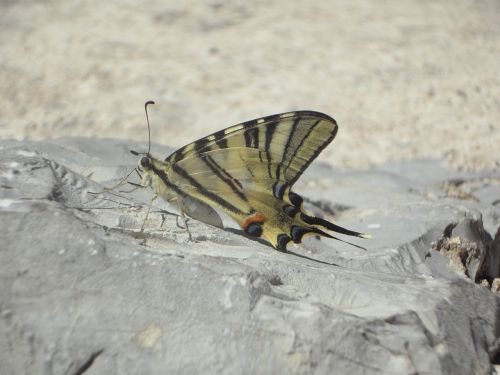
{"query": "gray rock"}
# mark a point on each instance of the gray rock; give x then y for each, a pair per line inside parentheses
(84, 291)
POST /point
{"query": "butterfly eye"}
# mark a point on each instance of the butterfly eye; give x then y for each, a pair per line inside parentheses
(146, 162)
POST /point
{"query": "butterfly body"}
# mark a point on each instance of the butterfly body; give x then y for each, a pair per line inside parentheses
(247, 171)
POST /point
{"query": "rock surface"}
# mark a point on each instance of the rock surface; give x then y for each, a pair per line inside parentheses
(83, 291)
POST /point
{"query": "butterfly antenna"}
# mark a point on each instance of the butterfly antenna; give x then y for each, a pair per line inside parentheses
(147, 119)
(149, 131)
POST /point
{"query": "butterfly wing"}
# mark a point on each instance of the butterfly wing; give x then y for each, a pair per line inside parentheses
(290, 141)
(247, 170)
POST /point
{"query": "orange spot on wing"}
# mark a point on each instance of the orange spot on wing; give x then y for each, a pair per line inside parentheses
(255, 218)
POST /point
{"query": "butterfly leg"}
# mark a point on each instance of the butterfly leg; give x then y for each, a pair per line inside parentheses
(147, 212)
(183, 218)
(177, 216)
(177, 222)
(135, 187)
(122, 182)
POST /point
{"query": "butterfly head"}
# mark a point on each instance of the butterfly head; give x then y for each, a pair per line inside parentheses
(146, 162)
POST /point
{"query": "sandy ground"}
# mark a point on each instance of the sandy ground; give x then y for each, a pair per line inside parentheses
(404, 79)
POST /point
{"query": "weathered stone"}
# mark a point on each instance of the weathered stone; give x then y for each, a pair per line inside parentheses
(82, 290)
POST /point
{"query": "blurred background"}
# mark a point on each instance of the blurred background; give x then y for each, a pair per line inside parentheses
(404, 79)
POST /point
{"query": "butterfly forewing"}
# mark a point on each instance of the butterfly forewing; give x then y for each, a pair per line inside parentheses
(290, 141)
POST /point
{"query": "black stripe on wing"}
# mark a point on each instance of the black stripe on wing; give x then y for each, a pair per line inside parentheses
(220, 139)
(251, 137)
(216, 198)
(286, 148)
(318, 150)
(222, 174)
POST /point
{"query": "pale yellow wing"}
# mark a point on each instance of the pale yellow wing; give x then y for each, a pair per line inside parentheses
(269, 153)
(247, 170)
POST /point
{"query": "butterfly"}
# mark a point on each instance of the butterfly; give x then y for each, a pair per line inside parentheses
(248, 171)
